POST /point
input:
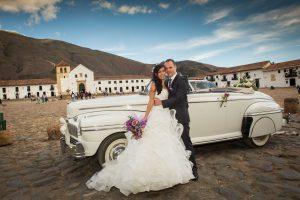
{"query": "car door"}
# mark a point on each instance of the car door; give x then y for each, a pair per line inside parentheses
(209, 120)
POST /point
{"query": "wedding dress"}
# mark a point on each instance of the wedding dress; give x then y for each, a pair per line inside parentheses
(156, 161)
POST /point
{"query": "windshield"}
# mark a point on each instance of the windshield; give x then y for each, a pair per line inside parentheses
(198, 85)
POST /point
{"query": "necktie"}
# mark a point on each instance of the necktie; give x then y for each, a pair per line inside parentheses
(169, 82)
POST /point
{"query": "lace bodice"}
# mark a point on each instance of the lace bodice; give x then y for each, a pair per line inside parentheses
(163, 95)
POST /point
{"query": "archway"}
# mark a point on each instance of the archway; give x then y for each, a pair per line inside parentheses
(81, 87)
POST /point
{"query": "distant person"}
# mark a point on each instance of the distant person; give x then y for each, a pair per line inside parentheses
(298, 89)
(73, 96)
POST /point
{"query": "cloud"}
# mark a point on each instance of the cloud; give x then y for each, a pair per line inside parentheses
(219, 35)
(71, 3)
(57, 34)
(199, 2)
(220, 14)
(203, 56)
(280, 18)
(45, 9)
(116, 48)
(164, 5)
(131, 10)
(123, 9)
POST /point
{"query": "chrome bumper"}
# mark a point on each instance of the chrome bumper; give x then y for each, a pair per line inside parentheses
(77, 150)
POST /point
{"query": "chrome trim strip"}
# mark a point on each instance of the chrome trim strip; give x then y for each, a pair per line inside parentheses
(266, 100)
(112, 106)
(104, 126)
(217, 140)
(262, 113)
(103, 129)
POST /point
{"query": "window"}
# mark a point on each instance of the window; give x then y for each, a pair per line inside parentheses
(65, 69)
(17, 89)
(126, 81)
(99, 88)
(279, 71)
(216, 76)
(61, 70)
(51, 88)
(284, 70)
(137, 87)
(76, 76)
(80, 74)
(142, 81)
(132, 81)
(120, 81)
(64, 76)
(109, 82)
(40, 88)
(99, 82)
(115, 82)
(3, 90)
(85, 75)
(127, 88)
(28, 88)
(137, 81)
(44, 93)
(115, 88)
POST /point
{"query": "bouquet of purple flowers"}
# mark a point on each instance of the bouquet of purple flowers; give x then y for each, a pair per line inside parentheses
(136, 126)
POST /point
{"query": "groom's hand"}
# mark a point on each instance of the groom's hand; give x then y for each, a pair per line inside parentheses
(157, 102)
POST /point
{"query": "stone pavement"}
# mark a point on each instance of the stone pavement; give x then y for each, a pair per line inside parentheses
(34, 168)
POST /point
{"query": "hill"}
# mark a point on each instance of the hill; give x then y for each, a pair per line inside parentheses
(23, 57)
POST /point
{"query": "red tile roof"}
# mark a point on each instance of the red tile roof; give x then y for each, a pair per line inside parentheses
(121, 77)
(241, 68)
(27, 82)
(62, 64)
(282, 65)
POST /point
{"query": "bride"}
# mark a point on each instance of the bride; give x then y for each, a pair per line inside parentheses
(156, 161)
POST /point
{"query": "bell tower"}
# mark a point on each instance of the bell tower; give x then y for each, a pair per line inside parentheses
(62, 71)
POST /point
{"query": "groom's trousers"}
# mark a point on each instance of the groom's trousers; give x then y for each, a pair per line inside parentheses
(188, 144)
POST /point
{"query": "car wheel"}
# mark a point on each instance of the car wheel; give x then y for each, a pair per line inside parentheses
(111, 148)
(257, 141)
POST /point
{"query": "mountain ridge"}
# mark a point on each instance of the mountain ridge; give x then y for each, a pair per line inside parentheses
(23, 57)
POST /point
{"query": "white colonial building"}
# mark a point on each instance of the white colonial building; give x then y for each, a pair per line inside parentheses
(15, 89)
(72, 79)
(265, 74)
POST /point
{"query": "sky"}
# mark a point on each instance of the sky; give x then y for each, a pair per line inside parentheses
(223, 33)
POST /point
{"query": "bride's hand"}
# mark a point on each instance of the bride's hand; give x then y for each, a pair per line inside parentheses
(145, 118)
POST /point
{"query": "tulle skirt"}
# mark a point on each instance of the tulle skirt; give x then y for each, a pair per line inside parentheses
(156, 161)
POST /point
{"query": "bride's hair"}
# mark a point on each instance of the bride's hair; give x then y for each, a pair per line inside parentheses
(155, 79)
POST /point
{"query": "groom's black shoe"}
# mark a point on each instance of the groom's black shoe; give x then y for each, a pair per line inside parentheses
(195, 173)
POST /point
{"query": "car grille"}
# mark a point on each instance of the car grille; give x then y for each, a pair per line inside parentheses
(73, 140)
(72, 129)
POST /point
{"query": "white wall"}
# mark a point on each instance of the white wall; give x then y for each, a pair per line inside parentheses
(34, 89)
(125, 84)
(78, 74)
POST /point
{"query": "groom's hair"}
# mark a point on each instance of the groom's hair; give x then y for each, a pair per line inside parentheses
(170, 60)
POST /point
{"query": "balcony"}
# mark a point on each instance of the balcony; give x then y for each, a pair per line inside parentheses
(293, 74)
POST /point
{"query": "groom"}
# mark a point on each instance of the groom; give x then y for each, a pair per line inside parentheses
(177, 100)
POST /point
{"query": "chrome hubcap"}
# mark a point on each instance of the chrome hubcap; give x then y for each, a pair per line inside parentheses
(115, 149)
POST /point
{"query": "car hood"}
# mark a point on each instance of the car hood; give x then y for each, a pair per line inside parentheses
(127, 102)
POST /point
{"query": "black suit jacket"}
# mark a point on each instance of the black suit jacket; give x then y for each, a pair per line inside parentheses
(178, 99)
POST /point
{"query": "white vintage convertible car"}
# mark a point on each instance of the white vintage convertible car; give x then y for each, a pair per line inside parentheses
(96, 127)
